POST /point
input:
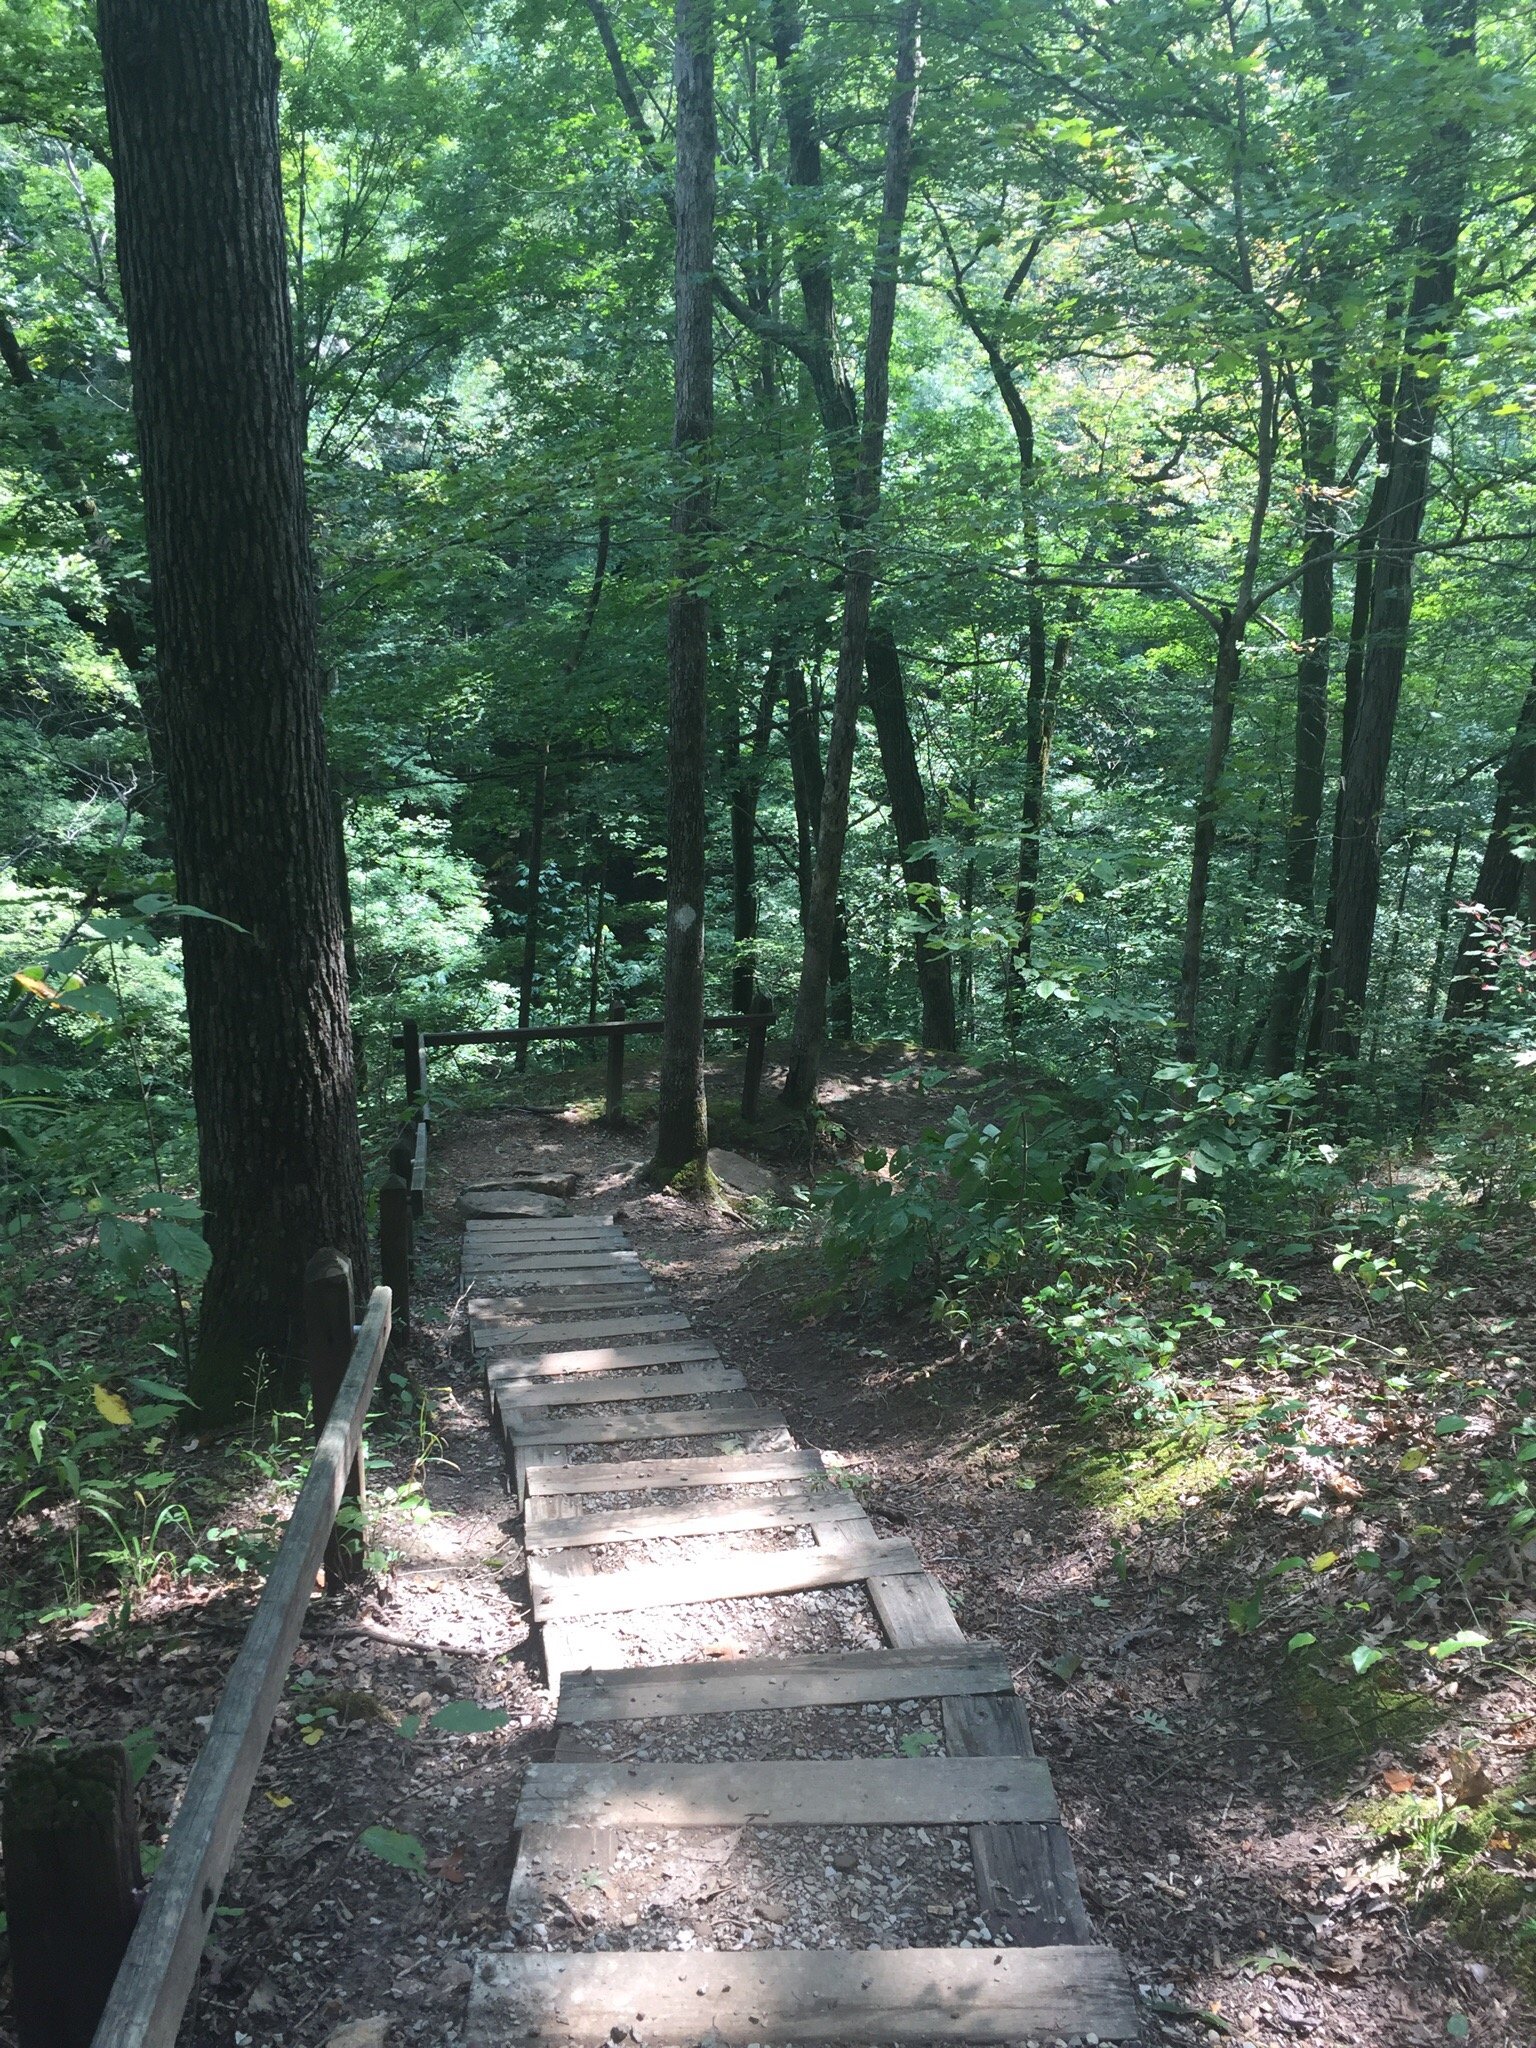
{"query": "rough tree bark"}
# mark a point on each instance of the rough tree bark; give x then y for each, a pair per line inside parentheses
(808, 1031)
(191, 90)
(682, 1125)
(1440, 189)
(909, 819)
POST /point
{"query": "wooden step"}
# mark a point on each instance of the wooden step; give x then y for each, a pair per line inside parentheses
(520, 1227)
(800, 1996)
(850, 1792)
(720, 1417)
(599, 1359)
(706, 1518)
(494, 1330)
(644, 1475)
(524, 1395)
(578, 1258)
(824, 1678)
(599, 1288)
(726, 1575)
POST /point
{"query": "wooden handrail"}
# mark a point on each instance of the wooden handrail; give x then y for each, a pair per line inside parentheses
(151, 1989)
(525, 1034)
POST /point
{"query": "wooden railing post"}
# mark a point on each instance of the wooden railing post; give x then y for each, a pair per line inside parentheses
(415, 1062)
(395, 1234)
(328, 1312)
(418, 1173)
(613, 1093)
(757, 1048)
(71, 1843)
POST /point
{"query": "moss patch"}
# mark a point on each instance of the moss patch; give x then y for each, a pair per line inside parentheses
(1339, 1719)
(1475, 1866)
(1154, 1484)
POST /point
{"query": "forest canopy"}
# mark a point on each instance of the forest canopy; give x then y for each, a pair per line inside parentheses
(1112, 510)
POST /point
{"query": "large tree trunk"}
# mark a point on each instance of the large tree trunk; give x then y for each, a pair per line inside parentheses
(808, 1031)
(191, 89)
(1288, 998)
(682, 1125)
(909, 818)
(1451, 25)
(1501, 873)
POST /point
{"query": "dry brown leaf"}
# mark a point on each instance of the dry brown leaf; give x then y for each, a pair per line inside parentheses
(1396, 1779)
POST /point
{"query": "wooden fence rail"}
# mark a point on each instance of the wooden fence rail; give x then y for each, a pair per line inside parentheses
(151, 1989)
(614, 1030)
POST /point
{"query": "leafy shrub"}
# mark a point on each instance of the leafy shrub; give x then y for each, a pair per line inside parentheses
(1089, 1234)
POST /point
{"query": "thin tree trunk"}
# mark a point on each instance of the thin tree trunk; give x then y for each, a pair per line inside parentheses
(191, 90)
(746, 771)
(909, 818)
(1229, 656)
(808, 1031)
(1501, 872)
(682, 1123)
(805, 775)
(1451, 25)
(527, 980)
(1288, 999)
(1039, 731)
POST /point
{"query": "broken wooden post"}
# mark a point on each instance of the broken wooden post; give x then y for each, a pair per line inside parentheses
(395, 1235)
(415, 1061)
(328, 1334)
(70, 1838)
(613, 1094)
(757, 1048)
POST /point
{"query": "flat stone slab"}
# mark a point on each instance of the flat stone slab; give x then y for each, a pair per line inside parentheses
(510, 1201)
(743, 1176)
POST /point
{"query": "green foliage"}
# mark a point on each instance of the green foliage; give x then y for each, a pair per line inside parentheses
(1088, 1228)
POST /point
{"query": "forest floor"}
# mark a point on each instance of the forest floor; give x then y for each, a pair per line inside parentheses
(1282, 1851)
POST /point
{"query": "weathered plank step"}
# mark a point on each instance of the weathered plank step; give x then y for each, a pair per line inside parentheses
(823, 1678)
(578, 1259)
(541, 1226)
(549, 1231)
(730, 1575)
(494, 1329)
(859, 1792)
(524, 1395)
(706, 1518)
(563, 1294)
(644, 1475)
(720, 1417)
(801, 1996)
(598, 1359)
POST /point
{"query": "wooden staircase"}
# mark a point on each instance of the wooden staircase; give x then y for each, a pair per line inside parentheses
(586, 1368)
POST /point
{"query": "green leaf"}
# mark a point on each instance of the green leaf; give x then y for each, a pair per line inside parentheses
(1458, 2026)
(1303, 1640)
(918, 1742)
(1066, 1667)
(1364, 1655)
(143, 1746)
(409, 1726)
(390, 1846)
(1464, 1639)
(464, 1717)
(1451, 1425)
